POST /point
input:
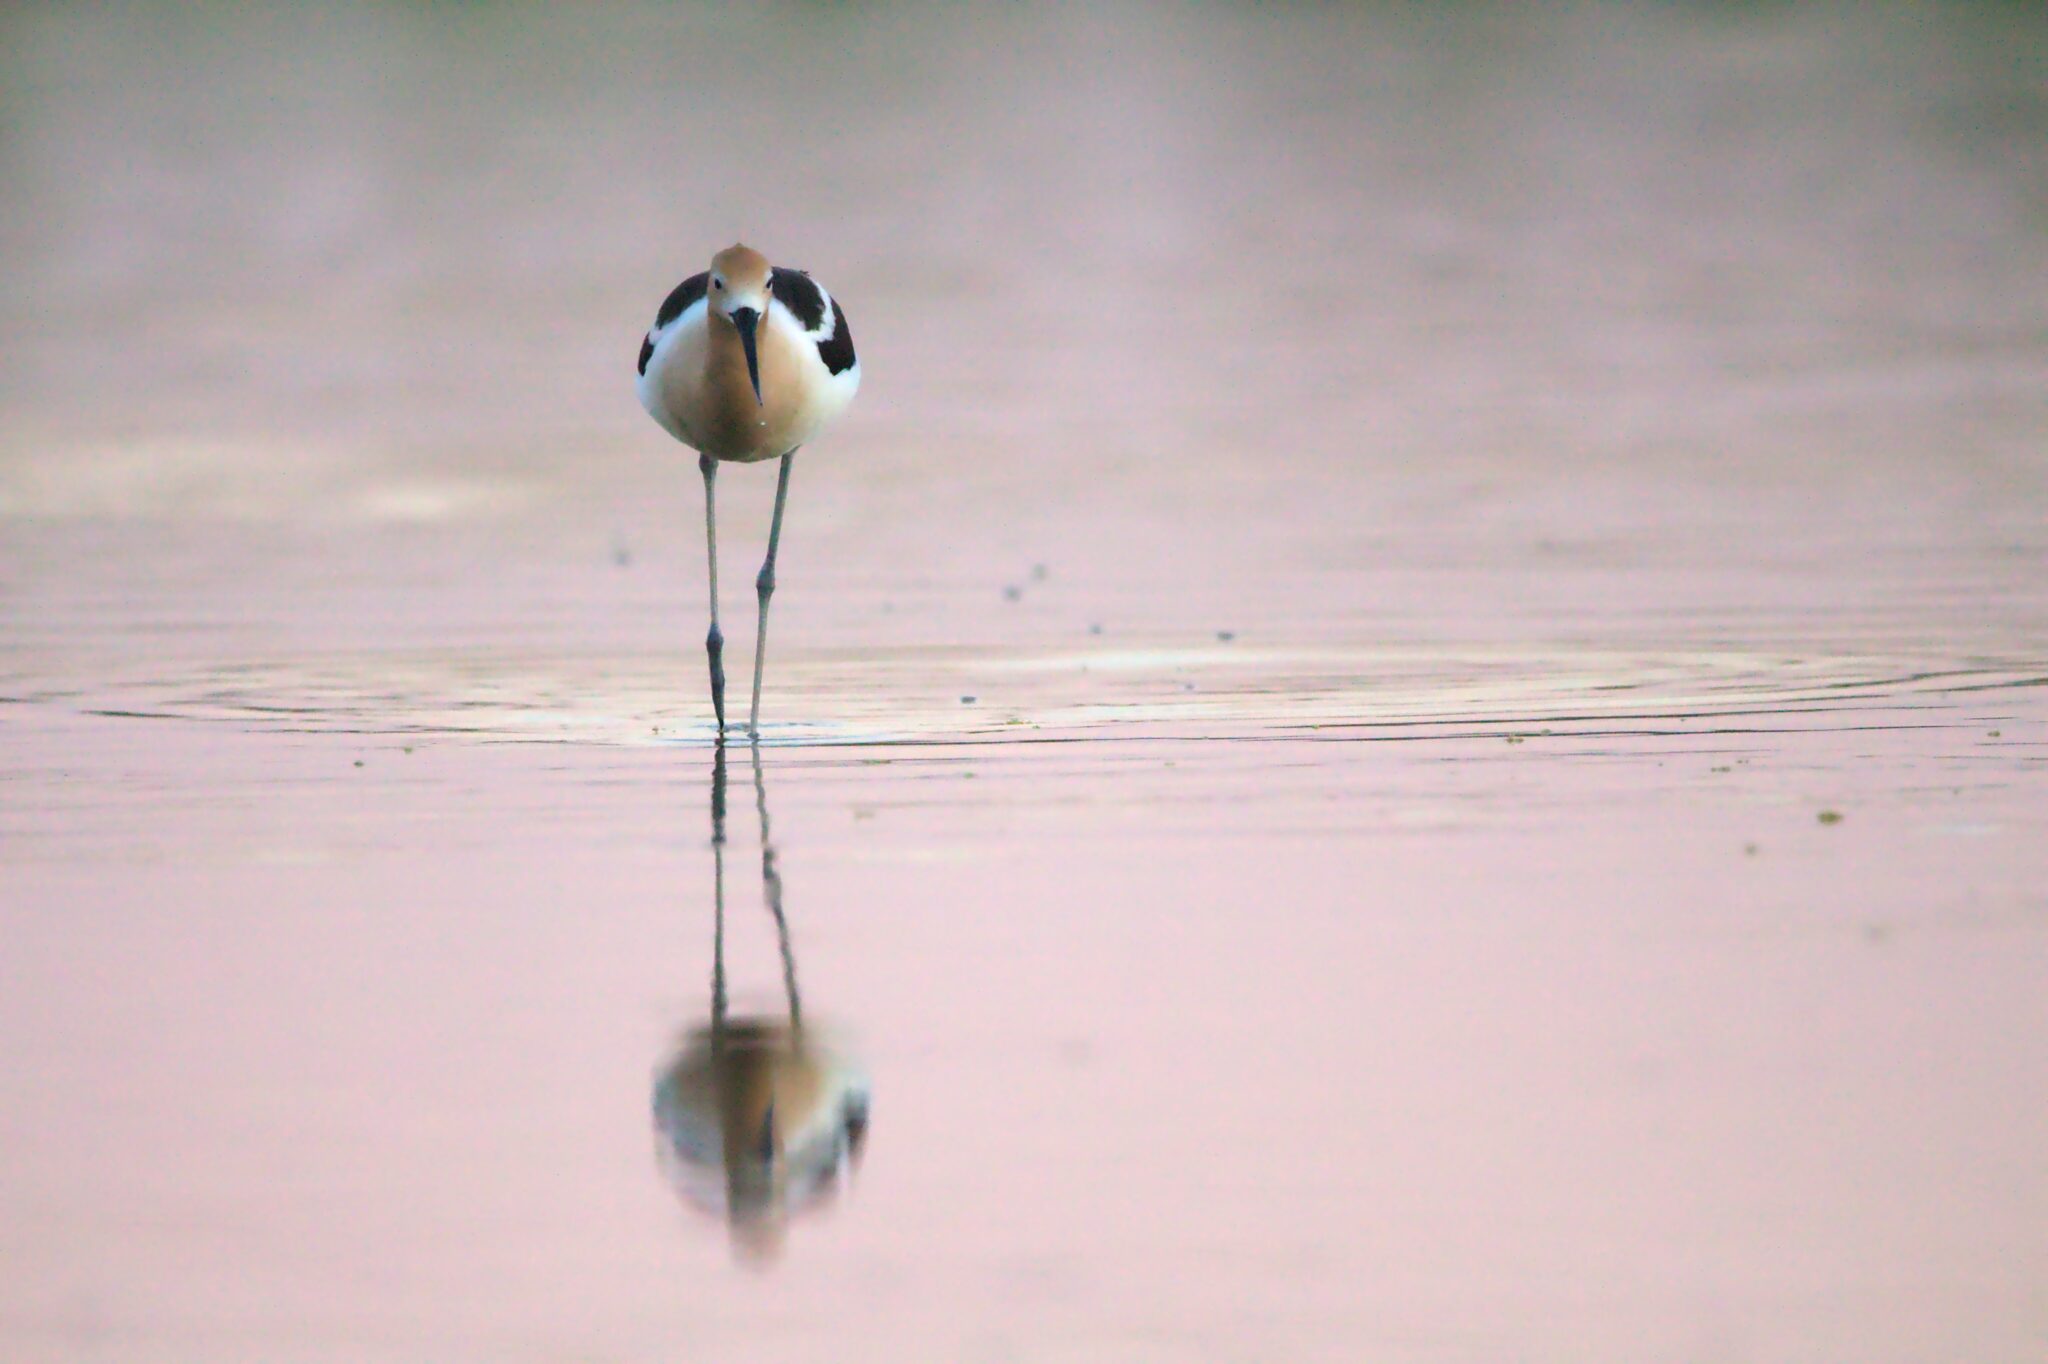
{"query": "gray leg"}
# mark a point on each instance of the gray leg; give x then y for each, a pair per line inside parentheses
(764, 587)
(714, 643)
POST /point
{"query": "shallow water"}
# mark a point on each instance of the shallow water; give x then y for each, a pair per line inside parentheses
(1409, 722)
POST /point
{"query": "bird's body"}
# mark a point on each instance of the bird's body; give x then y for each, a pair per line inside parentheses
(745, 363)
(693, 370)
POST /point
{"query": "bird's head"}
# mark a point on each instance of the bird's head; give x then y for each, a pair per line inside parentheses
(739, 294)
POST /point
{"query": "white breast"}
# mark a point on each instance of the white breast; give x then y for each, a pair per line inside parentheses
(678, 357)
(825, 394)
(672, 385)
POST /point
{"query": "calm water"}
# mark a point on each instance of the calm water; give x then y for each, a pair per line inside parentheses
(1409, 722)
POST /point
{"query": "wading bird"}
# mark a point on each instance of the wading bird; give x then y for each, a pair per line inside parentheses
(746, 362)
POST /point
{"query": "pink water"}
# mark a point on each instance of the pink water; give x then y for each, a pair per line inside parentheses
(1501, 567)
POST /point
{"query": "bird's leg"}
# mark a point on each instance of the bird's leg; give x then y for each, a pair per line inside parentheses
(714, 643)
(764, 588)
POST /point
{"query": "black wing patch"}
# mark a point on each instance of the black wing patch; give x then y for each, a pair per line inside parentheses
(836, 350)
(681, 297)
(796, 291)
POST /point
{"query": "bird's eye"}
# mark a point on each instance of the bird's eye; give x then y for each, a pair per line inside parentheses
(717, 283)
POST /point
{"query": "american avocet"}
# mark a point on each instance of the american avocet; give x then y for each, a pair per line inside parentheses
(746, 362)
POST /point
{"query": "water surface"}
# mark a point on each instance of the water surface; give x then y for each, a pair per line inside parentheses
(1408, 723)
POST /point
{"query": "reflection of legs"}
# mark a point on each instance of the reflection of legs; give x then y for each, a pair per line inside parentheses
(771, 890)
(714, 643)
(718, 900)
(764, 587)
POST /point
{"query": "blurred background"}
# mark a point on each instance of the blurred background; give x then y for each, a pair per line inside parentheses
(1578, 272)
(1405, 718)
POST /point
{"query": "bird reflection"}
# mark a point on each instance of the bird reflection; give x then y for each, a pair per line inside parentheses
(759, 1117)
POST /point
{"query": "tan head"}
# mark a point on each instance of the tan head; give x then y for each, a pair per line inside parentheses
(738, 292)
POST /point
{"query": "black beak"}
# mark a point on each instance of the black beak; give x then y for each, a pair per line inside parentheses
(746, 319)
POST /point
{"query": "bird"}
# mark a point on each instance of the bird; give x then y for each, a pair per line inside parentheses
(746, 362)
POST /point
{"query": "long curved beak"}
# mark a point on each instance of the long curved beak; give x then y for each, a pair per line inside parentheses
(746, 319)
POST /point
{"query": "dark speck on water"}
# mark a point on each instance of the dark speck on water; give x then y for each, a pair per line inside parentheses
(1831, 816)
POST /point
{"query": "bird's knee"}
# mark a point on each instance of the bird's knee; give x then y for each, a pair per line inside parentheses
(764, 583)
(714, 641)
